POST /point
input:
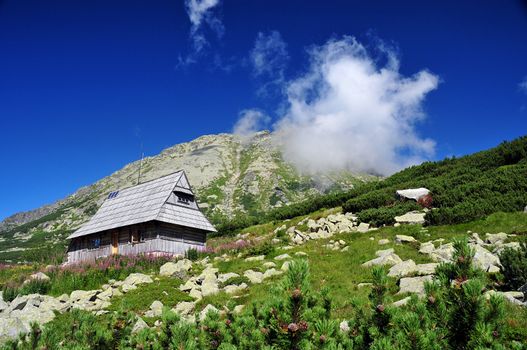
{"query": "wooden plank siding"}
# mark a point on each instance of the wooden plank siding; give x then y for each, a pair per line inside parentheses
(148, 238)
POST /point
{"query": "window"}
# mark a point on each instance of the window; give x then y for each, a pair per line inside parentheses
(137, 235)
(96, 242)
(183, 198)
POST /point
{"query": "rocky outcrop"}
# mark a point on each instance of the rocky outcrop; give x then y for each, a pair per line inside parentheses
(178, 269)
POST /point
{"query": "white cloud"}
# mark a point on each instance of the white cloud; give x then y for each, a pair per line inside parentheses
(201, 13)
(269, 58)
(249, 122)
(523, 85)
(348, 112)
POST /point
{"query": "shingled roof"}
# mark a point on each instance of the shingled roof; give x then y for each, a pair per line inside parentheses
(146, 202)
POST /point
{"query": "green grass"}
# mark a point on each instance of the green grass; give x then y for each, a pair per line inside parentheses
(164, 289)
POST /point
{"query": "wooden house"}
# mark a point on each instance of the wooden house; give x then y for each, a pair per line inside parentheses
(155, 217)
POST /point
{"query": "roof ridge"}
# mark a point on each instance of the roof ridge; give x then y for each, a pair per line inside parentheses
(146, 182)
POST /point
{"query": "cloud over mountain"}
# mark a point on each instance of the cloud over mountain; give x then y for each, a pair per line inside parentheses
(348, 111)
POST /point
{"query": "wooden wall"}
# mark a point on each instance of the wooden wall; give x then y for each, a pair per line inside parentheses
(156, 237)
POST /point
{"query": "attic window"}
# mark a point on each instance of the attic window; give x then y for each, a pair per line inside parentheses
(183, 198)
(113, 194)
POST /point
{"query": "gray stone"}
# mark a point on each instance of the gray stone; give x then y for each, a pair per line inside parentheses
(413, 285)
(402, 269)
(184, 308)
(10, 328)
(238, 309)
(137, 278)
(384, 241)
(178, 269)
(283, 257)
(484, 259)
(363, 227)
(234, 289)
(271, 272)
(496, 238)
(226, 276)
(39, 276)
(285, 266)
(387, 259)
(427, 248)
(443, 253)
(206, 310)
(196, 294)
(156, 309)
(404, 239)
(402, 302)
(413, 217)
(426, 269)
(269, 264)
(255, 258)
(344, 327)
(254, 276)
(139, 325)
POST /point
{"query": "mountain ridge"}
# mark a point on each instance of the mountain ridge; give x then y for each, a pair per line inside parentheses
(230, 174)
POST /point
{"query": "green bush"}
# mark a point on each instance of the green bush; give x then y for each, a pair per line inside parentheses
(514, 266)
(192, 254)
(260, 249)
(386, 215)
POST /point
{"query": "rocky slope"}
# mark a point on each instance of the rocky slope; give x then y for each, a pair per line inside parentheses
(229, 174)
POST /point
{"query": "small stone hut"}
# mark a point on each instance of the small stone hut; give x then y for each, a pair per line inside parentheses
(155, 217)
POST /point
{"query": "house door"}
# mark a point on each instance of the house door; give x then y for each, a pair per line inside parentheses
(115, 242)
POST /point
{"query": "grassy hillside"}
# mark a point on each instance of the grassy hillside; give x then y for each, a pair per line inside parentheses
(463, 189)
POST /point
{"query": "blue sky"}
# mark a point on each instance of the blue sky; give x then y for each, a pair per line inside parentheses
(80, 81)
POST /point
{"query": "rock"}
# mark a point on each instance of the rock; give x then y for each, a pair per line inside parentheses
(39, 276)
(156, 309)
(363, 227)
(402, 302)
(285, 266)
(254, 276)
(10, 328)
(184, 308)
(443, 254)
(514, 294)
(191, 283)
(364, 284)
(178, 269)
(383, 241)
(255, 258)
(206, 310)
(402, 269)
(345, 249)
(139, 325)
(83, 295)
(427, 248)
(209, 289)
(128, 287)
(404, 239)
(224, 277)
(344, 327)
(510, 298)
(137, 278)
(426, 269)
(413, 217)
(474, 238)
(269, 264)
(271, 272)
(384, 252)
(413, 285)
(234, 289)
(105, 294)
(238, 309)
(496, 238)
(484, 259)
(283, 257)
(386, 259)
(3, 305)
(512, 245)
(300, 254)
(196, 294)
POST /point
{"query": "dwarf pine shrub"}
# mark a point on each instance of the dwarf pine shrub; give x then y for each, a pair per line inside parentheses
(454, 314)
(514, 266)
